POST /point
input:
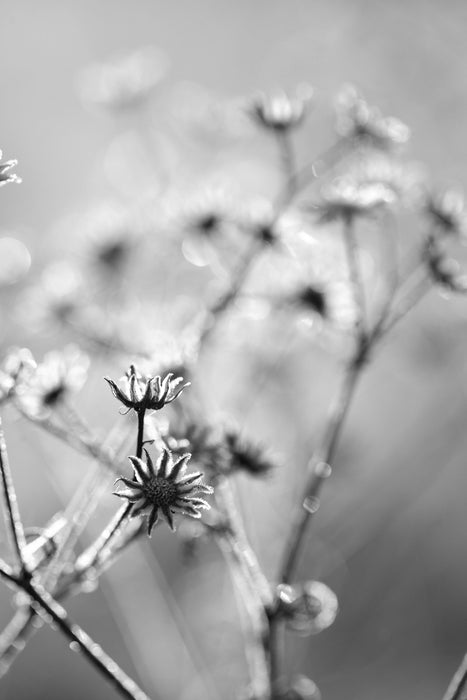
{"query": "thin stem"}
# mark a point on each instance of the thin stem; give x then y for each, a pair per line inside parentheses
(140, 434)
(14, 637)
(12, 515)
(56, 615)
(94, 553)
(311, 172)
(319, 470)
(356, 277)
(458, 686)
(88, 444)
(251, 584)
(252, 568)
(287, 156)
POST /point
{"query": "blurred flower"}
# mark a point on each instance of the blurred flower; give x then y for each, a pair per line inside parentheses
(163, 488)
(59, 374)
(126, 82)
(447, 212)
(307, 608)
(280, 111)
(405, 180)
(307, 280)
(17, 363)
(246, 456)
(358, 121)
(346, 198)
(259, 218)
(57, 295)
(110, 237)
(139, 392)
(445, 271)
(5, 174)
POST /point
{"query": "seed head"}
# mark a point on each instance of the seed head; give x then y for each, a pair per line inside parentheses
(163, 488)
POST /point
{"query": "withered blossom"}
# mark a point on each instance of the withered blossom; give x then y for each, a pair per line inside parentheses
(139, 392)
(163, 489)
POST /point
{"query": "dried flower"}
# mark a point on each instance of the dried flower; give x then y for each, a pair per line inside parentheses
(59, 374)
(447, 212)
(280, 111)
(308, 608)
(5, 175)
(345, 198)
(164, 488)
(365, 125)
(139, 392)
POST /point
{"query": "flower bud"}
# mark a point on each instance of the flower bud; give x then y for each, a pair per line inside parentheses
(308, 608)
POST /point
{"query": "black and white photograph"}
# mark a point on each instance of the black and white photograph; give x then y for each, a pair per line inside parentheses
(233, 350)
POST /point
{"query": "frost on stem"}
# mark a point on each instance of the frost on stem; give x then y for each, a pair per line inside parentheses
(163, 487)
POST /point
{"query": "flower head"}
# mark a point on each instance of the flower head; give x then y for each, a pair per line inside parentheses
(308, 608)
(447, 212)
(163, 488)
(280, 112)
(358, 121)
(60, 373)
(146, 393)
(5, 174)
(345, 198)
